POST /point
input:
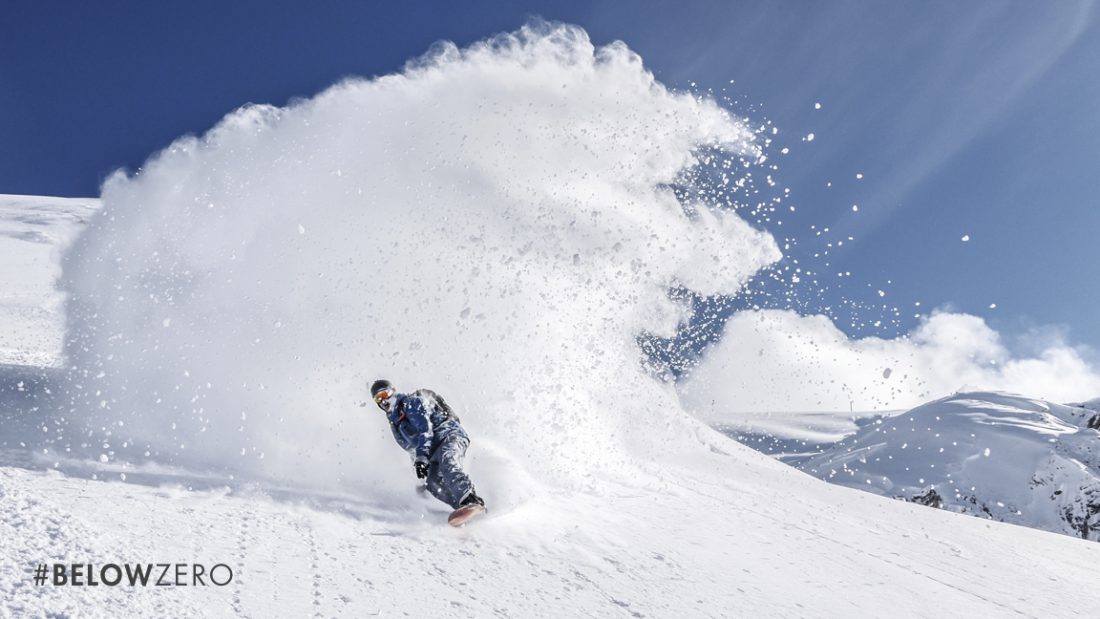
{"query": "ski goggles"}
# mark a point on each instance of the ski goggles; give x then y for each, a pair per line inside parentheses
(382, 396)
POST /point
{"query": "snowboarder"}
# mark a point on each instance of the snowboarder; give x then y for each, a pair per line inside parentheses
(426, 427)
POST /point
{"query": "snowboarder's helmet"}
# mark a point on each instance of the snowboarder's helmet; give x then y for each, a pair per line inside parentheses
(380, 385)
(382, 391)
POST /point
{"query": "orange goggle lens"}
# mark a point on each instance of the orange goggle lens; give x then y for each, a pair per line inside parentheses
(382, 396)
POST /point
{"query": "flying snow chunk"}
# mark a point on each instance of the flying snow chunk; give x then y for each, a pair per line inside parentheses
(810, 137)
(859, 175)
(855, 208)
(992, 306)
(817, 106)
(301, 229)
(965, 238)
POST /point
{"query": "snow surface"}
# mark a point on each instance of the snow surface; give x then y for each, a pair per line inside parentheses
(228, 304)
(733, 535)
(32, 232)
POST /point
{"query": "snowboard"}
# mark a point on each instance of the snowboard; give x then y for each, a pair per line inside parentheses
(464, 514)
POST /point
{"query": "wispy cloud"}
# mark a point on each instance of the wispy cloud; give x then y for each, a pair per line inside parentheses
(771, 361)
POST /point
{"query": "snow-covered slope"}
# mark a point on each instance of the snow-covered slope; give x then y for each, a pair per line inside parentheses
(732, 534)
(32, 232)
(995, 455)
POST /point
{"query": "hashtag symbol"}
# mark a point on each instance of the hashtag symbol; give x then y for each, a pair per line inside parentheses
(40, 575)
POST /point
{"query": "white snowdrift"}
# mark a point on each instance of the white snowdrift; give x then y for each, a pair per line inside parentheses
(994, 455)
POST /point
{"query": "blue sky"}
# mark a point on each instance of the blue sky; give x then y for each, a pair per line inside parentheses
(973, 118)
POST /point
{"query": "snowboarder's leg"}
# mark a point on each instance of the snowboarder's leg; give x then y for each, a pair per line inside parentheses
(434, 481)
(449, 468)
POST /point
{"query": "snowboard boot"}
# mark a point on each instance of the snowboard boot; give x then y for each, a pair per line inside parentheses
(472, 499)
(469, 508)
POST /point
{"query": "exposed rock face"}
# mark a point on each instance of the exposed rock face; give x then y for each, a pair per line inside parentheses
(930, 498)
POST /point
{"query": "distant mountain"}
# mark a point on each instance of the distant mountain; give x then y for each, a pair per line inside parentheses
(994, 455)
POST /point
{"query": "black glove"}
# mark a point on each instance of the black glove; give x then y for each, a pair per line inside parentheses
(421, 469)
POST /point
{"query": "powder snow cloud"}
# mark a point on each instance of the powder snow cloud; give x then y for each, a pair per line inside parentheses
(493, 222)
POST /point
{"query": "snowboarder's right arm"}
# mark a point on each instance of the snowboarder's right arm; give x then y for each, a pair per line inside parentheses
(418, 417)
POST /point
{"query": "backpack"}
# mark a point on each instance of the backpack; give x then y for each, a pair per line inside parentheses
(435, 401)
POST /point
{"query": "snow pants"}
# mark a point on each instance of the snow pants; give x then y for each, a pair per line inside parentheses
(446, 479)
